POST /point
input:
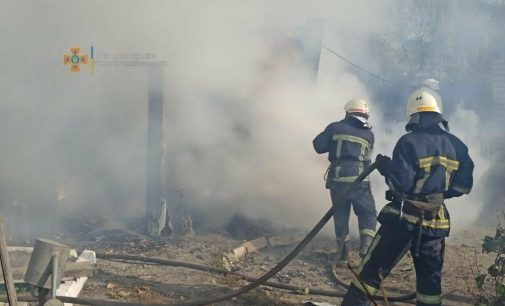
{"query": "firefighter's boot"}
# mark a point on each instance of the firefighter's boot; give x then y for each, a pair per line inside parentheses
(364, 244)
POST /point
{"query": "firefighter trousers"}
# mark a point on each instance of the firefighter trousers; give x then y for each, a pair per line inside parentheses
(389, 246)
(363, 204)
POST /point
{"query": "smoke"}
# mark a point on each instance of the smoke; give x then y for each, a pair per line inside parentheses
(242, 105)
(465, 211)
(249, 146)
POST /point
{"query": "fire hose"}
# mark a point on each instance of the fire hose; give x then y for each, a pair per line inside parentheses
(317, 228)
(398, 298)
(254, 283)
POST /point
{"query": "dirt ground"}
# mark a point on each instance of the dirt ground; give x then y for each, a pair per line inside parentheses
(154, 283)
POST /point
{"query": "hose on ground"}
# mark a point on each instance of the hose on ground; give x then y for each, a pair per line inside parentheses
(397, 298)
(173, 263)
(265, 277)
(193, 266)
(254, 282)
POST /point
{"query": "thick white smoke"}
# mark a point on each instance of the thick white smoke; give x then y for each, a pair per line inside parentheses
(240, 109)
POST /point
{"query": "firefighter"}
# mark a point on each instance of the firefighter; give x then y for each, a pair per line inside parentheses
(349, 144)
(429, 165)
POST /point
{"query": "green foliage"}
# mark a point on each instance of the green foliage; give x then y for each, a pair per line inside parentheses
(495, 277)
(500, 290)
(489, 245)
(495, 244)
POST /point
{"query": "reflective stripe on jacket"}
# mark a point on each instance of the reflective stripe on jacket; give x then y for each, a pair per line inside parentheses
(427, 161)
(349, 144)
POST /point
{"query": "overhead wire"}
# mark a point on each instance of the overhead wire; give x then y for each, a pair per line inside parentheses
(364, 70)
(356, 66)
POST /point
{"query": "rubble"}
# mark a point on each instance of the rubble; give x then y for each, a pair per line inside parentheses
(74, 278)
(72, 288)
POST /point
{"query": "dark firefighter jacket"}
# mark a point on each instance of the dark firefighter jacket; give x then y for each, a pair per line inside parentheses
(349, 144)
(428, 160)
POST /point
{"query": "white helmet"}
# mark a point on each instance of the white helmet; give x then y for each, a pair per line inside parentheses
(423, 100)
(357, 106)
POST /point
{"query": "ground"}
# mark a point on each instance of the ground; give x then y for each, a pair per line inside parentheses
(154, 283)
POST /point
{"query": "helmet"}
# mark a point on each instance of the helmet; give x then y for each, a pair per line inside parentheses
(423, 100)
(357, 106)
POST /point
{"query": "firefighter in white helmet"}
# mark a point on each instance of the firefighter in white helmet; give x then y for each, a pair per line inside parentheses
(349, 144)
(429, 165)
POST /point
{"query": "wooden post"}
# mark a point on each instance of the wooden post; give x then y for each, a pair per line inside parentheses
(6, 268)
(156, 206)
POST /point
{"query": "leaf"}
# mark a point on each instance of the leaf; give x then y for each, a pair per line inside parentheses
(500, 290)
(490, 245)
(480, 280)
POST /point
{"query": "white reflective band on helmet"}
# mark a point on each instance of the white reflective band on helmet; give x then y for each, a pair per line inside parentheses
(429, 299)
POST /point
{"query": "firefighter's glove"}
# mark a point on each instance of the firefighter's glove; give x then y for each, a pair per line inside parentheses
(382, 163)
